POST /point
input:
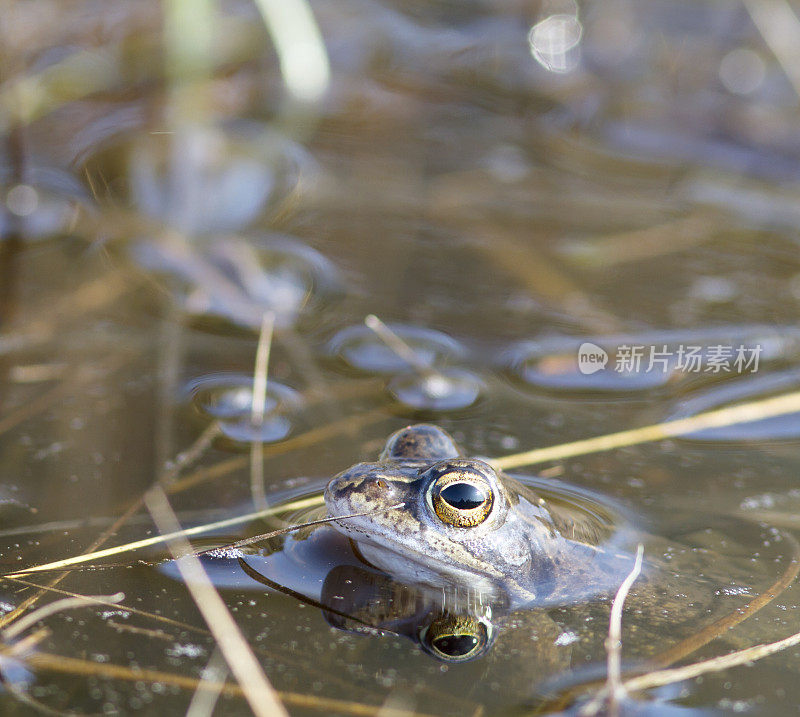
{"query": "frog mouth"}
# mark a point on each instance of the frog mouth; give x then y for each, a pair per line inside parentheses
(398, 559)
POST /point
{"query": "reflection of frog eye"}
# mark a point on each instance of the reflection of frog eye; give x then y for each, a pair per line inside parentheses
(462, 499)
(454, 638)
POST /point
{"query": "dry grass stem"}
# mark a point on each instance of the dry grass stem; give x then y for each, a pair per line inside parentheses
(659, 678)
(258, 491)
(718, 627)
(301, 51)
(699, 639)
(205, 699)
(193, 453)
(23, 623)
(715, 664)
(303, 440)
(732, 415)
(309, 502)
(780, 28)
(614, 688)
(257, 488)
(290, 529)
(75, 666)
(127, 608)
(258, 691)
(158, 634)
(261, 369)
(188, 456)
(398, 345)
(669, 237)
(84, 374)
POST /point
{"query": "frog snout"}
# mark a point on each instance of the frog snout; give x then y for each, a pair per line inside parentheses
(337, 489)
(357, 491)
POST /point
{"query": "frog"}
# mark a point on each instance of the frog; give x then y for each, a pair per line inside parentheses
(485, 551)
(501, 566)
(431, 516)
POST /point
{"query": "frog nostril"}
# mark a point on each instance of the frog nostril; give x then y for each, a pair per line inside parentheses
(377, 487)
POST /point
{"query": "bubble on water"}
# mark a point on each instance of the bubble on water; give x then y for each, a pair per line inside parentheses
(226, 553)
(238, 279)
(507, 163)
(554, 366)
(566, 638)
(742, 71)
(447, 390)
(188, 650)
(41, 206)
(776, 428)
(362, 349)
(270, 430)
(205, 180)
(714, 289)
(228, 398)
(555, 40)
(22, 200)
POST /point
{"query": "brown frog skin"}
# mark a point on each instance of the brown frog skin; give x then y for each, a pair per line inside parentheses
(464, 524)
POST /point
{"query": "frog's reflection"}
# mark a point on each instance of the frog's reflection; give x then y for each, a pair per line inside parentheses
(454, 626)
(458, 631)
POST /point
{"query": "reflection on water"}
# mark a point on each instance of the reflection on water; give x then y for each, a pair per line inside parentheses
(501, 184)
(780, 428)
(208, 181)
(627, 364)
(238, 279)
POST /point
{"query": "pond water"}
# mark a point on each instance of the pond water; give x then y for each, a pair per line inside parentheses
(565, 220)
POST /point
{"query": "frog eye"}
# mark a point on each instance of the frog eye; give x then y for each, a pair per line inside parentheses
(462, 498)
(452, 638)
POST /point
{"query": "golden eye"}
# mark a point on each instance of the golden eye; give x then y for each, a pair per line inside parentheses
(461, 500)
(454, 638)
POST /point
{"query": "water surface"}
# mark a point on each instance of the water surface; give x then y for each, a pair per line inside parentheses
(499, 183)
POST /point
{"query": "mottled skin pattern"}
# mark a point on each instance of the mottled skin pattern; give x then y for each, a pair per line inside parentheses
(528, 549)
(422, 442)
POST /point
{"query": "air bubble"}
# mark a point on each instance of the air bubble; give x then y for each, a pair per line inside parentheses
(207, 180)
(228, 398)
(555, 367)
(446, 390)
(238, 279)
(360, 348)
(42, 206)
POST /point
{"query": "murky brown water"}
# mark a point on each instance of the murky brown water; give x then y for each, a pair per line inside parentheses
(498, 182)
